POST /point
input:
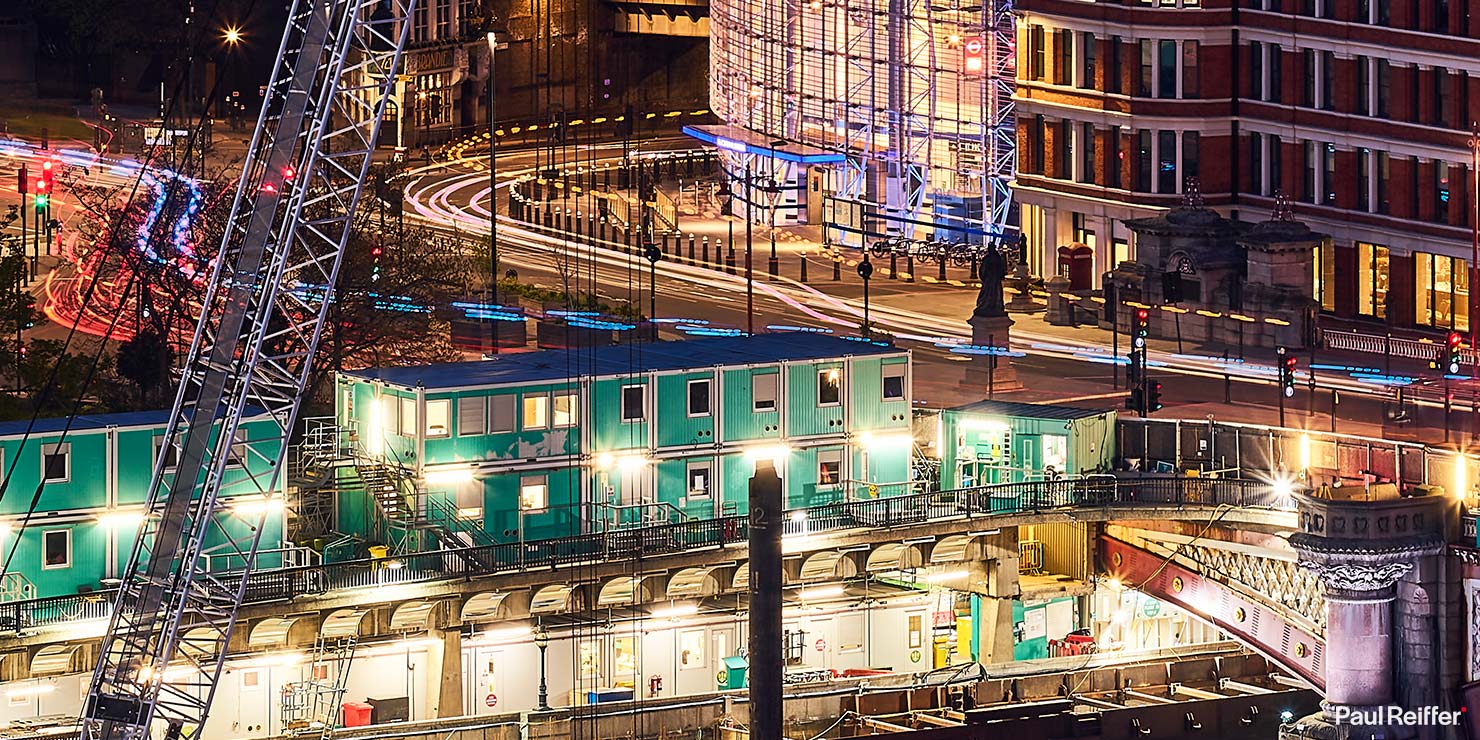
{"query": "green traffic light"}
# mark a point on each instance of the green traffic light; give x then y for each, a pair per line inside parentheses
(41, 201)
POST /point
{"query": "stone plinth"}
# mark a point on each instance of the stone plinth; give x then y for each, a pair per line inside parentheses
(1060, 310)
(981, 375)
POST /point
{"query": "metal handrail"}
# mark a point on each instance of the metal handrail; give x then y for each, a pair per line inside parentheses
(280, 584)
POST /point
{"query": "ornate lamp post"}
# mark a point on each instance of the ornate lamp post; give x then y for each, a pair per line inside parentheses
(542, 641)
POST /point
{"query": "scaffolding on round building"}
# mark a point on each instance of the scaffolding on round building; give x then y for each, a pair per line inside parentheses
(917, 96)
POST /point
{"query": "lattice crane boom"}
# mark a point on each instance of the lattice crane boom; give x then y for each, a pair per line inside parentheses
(253, 349)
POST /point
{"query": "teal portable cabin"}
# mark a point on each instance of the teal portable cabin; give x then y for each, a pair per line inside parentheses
(92, 484)
(1001, 442)
(558, 442)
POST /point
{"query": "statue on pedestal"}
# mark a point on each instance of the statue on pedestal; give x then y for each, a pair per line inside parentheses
(992, 271)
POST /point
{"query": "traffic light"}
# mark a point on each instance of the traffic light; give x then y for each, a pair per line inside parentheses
(48, 174)
(1142, 328)
(1452, 351)
(1287, 372)
(23, 180)
(42, 200)
(1136, 401)
(974, 57)
(1153, 397)
(1133, 370)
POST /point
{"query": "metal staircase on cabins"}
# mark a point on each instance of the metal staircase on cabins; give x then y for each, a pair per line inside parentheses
(161, 658)
(310, 707)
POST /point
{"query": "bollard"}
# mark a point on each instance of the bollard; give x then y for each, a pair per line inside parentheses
(580, 225)
(730, 263)
(549, 219)
(704, 255)
(603, 228)
(942, 275)
(691, 249)
(837, 266)
(606, 178)
(909, 266)
(804, 267)
(568, 224)
(893, 266)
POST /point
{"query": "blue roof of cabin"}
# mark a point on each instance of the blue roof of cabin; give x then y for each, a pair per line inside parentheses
(625, 359)
(93, 422)
(1027, 410)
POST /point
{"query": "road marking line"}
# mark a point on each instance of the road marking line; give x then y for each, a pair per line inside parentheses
(1093, 397)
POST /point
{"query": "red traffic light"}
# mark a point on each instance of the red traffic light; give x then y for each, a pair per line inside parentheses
(288, 173)
(41, 185)
(1143, 314)
(1455, 338)
(46, 166)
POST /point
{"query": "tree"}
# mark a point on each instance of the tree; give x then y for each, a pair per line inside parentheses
(145, 360)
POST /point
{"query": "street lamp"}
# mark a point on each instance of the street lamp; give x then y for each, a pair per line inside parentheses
(773, 266)
(426, 123)
(542, 641)
(232, 35)
(493, 47)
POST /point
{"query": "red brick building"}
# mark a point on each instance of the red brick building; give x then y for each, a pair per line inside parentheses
(1359, 110)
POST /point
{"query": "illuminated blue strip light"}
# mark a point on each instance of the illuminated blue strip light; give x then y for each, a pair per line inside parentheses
(732, 145)
(874, 342)
(565, 314)
(980, 349)
(488, 311)
(398, 303)
(1382, 379)
(707, 331)
(584, 322)
(802, 329)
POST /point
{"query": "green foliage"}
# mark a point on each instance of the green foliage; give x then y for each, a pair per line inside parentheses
(581, 301)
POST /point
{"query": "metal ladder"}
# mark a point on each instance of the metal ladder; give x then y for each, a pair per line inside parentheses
(310, 708)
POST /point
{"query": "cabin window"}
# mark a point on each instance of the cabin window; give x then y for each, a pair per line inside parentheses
(534, 493)
(563, 409)
(830, 386)
(56, 548)
(698, 397)
(634, 401)
(763, 391)
(894, 382)
(56, 463)
(536, 412)
(438, 412)
(470, 415)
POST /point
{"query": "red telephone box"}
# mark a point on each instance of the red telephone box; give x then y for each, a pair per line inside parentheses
(1077, 262)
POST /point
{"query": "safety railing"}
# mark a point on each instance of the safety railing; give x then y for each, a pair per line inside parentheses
(278, 584)
(1387, 345)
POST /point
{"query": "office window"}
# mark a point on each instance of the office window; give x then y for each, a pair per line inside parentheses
(698, 398)
(893, 381)
(1384, 86)
(1065, 143)
(1087, 153)
(1308, 160)
(1309, 79)
(1382, 16)
(408, 417)
(1328, 174)
(1190, 84)
(1113, 157)
(1363, 103)
(501, 413)
(634, 402)
(1166, 167)
(699, 479)
(1143, 161)
(829, 467)
(1190, 144)
(1087, 59)
(1256, 70)
(691, 649)
(1276, 159)
(1441, 191)
(830, 386)
(444, 20)
(1441, 16)
(438, 423)
(471, 412)
(536, 412)
(1036, 52)
(56, 463)
(1166, 69)
(1328, 80)
(1256, 163)
(1115, 68)
(1037, 144)
(1364, 180)
(1384, 170)
(1063, 57)
(1148, 54)
(1442, 291)
(171, 453)
(534, 493)
(56, 549)
(563, 410)
(1442, 102)
(1325, 276)
(1272, 88)
(763, 391)
(1372, 280)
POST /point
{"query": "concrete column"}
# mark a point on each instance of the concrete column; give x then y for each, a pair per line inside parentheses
(992, 573)
(450, 688)
(1359, 651)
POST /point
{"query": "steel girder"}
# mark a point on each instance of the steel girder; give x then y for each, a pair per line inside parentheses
(1279, 583)
(253, 347)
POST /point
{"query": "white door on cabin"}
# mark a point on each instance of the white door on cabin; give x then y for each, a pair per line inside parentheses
(255, 705)
(635, 494)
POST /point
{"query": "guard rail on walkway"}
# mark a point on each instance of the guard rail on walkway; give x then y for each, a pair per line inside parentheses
(279, 584)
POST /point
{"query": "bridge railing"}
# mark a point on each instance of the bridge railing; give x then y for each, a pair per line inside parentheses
(279, 584)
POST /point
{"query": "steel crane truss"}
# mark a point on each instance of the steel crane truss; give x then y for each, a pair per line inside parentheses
(254, 346)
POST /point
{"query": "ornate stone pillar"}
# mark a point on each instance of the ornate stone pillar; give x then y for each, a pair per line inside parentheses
(1360, 549)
